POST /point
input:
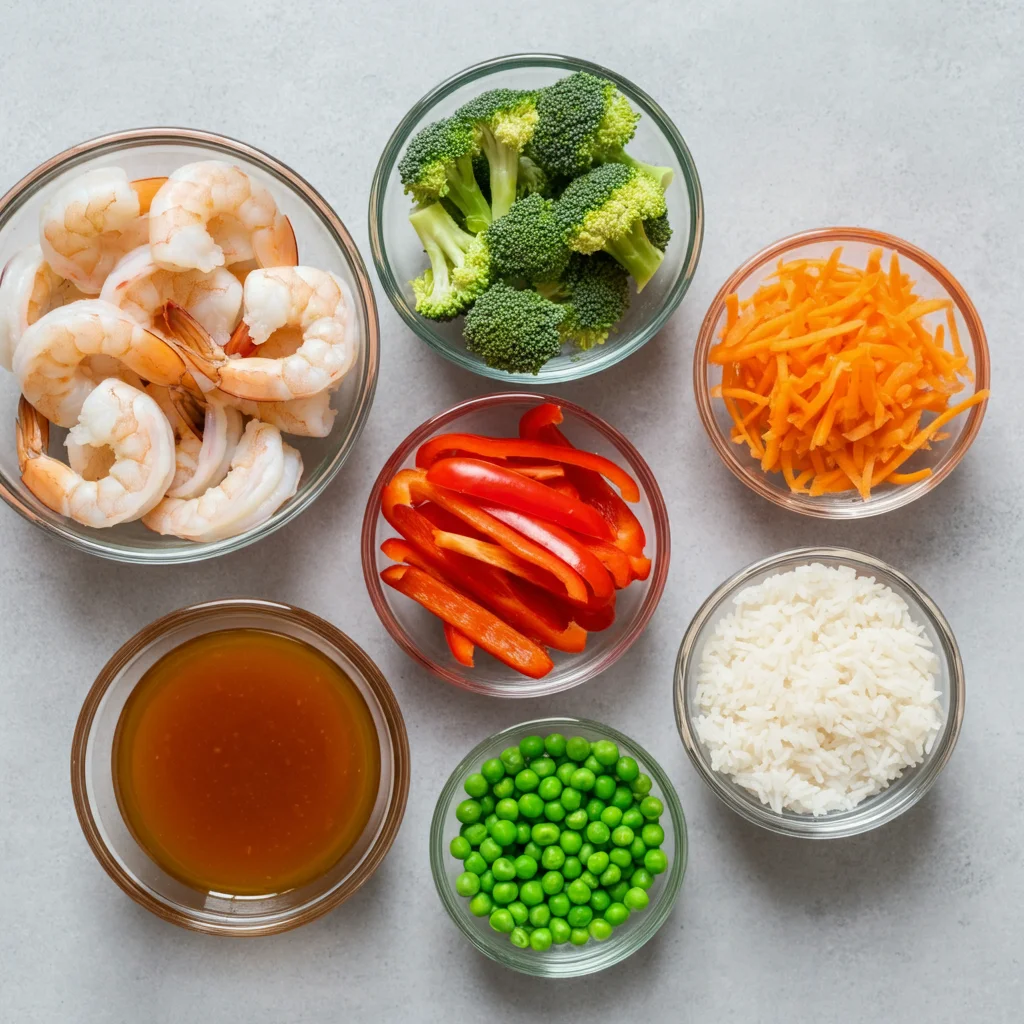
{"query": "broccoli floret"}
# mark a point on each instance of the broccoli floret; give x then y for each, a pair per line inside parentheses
(502, 122)
(533, 179)
(659, 231)
(606, 209)
(595, 291)
(529, 242)
(460, 264)
(512, 330)
(438, 163)
(482, 173)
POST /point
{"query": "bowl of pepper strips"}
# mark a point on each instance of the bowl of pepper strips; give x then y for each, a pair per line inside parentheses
(515, 545)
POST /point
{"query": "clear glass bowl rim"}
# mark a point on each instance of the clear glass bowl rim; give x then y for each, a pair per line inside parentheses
(608, 953)
(866, 817)
(210, 611)
(751, 474)
(392, 152)
(29, 185)
(649, 487)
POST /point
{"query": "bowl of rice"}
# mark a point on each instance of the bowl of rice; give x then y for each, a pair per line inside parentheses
(819, 692)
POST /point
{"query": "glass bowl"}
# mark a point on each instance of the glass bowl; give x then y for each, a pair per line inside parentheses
(323, 242)
(903, 792)
(125, 861)
(564, 961)
(934, 281)
(399, 257)
(419, 633)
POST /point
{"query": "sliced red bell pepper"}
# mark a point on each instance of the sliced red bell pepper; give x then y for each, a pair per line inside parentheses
(502, 486)
(593, 618)
(569, 549)
(496, 555)
(513, 447)
(641, 566)
(482, 627)
(444, 520)
(459, 644)
(564, 487)
(614, 559)
(541, 424)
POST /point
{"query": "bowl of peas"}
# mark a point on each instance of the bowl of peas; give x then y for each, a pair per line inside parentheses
(558, 847)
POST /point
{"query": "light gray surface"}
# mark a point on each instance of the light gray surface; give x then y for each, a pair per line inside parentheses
(905, 116)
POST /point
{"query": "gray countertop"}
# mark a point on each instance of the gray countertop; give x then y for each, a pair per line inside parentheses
(906, 116)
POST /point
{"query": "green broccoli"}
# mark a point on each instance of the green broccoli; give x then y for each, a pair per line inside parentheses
(659, 231)
(502, 122)
(438, 163)
(528, 243)
(512, 330)
(533, 179)
(460, 264)
(584, 120)
(606, 209)
(595, 292)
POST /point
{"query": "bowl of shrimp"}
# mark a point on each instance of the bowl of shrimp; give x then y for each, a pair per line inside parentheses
(189, 345)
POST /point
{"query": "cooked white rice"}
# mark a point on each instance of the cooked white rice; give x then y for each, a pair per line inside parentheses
(817, 690)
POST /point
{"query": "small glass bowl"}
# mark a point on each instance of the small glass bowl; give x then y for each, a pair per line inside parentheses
(903, 792)
(130, 866)
(933, 281)
(323, 242)
(419, 633)
(399, 257)
(565, 961)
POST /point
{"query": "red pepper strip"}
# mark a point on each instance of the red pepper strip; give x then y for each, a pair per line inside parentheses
(479, 625)
(564, 487)
(641, 566)
(459, 644)
(507, 487)
(444, 520)
(614, 559)
(535, 470)
(491, 587)
(496, 555)
(570, 550)
(514, 447)
(592, 619)
(398, 551)
(540, 424)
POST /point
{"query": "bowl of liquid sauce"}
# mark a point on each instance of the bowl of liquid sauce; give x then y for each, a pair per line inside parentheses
(240, 767)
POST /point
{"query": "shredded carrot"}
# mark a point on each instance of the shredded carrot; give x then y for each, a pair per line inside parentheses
(829, 369)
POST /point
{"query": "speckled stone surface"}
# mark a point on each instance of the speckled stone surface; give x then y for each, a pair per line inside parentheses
(905, 116)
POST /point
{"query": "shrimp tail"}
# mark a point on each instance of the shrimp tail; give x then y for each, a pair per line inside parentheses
(32, 432)
(240, 343)
(190, 411)
(146, 189)
(192, 341)
(277, 246)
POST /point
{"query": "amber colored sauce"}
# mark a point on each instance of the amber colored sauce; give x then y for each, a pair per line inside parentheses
(246, 763)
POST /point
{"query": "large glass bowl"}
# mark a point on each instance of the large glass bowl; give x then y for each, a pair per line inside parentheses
(933, 281)
(399, 257)
(903, 792)
(92, 782)
(419, 633)
(564, 961)
(324, 242)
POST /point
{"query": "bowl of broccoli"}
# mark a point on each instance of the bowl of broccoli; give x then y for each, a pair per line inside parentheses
(536, 218)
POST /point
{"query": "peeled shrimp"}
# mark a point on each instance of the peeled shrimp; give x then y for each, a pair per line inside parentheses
(243, 496)
(89, 223)
(115, 416)
(302, 297)
(210, 214)
(140, 287)
(50, 356)
(202, 459)
(303, 417)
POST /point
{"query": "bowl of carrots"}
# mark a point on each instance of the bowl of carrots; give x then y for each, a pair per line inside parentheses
(515, 545)
(841, 372)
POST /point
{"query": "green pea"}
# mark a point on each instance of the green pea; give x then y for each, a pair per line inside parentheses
(554, 811)
(600, 901)
(490, 850)
(585, 851)
(507, 809)
(540, 915)
(611, 875)
(652, 834)
(550, 788)
(597, 862)
(620, 857)
(560, 930)
(571, 799)
(633, 818)
(523, 833)
(526, 867)
(577, 820)
(552, 882)
(520, 938)
(468, 812)
(513, 760)
(597, 832)
(611, 816)
(487, 881)
(475, 833)
(641, 879)
(578, 892)
(504, 870)
(651, 808)
(527, 781)
(504, 788)
(599, 929)
(572, 868)
(559, 904)
(577, 748)
(564, 772)
(627, 769)
(481, 905)
(636, 899)
(618, 891)
(616, 914)
(604, 787)
(476, 785)
(589, 879)
(543, 767)
(594, 809)
(460, 847)
(580, 916)
(541, 939)
(492, 770)
(518, 911)
(605, 751)
(503, 833)
(505, 892)
(531, 849)
(582, 779)
(593, 765)
(655, 861)
(475, 863)
(579, 936)
(622, 836)
(641, 785)
(545, 833)
(487, 803)
(467, 884)
(490, 820)
(637, 848)
(570, 841)
(552, 858)
(531, 805)
(501, 921)
(531, 746)
(622, 799)
(531, 893)
(555, 744)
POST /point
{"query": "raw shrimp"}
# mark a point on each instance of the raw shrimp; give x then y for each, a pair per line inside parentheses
(49, 358)
(204, 200)
(115, 416)
(140, 287)
(312, 300)
(89, 223)
(256, 472)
